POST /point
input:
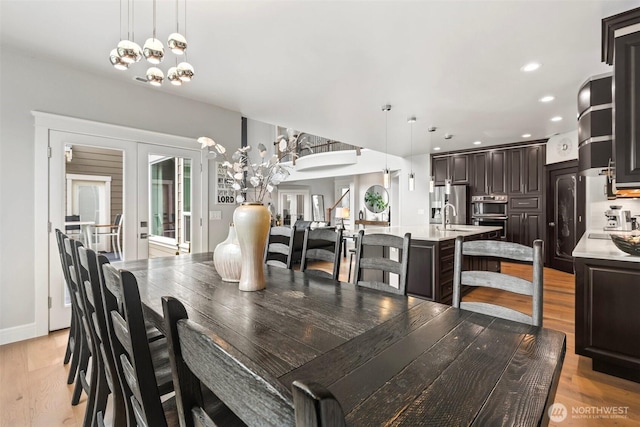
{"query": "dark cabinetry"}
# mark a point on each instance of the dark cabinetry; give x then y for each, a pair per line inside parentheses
(488, 173)
(595, 120)
(627, 110)
(454, 167)
(607, 321)
(526, 170)
(525, 227)
(431, 267)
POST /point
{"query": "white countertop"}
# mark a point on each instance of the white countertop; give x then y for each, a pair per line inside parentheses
(600, 248)
(432, 233)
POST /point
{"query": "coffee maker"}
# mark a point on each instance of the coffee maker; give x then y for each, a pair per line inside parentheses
(617, 219)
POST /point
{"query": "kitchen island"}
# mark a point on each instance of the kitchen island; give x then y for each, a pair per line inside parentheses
(432, 252)
(607, 299)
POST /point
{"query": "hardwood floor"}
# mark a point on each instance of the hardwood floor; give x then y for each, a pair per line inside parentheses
(33, 389)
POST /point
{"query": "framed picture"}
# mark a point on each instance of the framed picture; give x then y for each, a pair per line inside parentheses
(225, 194)
(317, 204)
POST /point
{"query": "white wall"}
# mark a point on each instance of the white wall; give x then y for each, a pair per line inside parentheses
(29, 83)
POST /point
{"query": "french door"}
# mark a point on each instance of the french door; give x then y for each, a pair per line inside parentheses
(136, 204)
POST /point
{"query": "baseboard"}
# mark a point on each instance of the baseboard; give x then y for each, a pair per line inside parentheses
(17, 333)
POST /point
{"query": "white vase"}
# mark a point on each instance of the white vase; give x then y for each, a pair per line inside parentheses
(227, 257)
(252, 227)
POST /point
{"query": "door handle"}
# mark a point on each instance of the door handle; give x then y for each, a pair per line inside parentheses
(552, 224)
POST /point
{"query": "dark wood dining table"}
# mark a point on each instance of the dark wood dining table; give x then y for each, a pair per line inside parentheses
(388, 359)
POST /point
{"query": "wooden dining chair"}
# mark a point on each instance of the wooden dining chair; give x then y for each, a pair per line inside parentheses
(86, 378)
(143, 367)
(74, 340)
(374, 262)
(324, 245)
(108, 381)
(279, 249)
(507, 251)
(246, 393)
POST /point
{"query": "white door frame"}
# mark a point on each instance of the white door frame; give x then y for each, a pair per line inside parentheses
(46, 124)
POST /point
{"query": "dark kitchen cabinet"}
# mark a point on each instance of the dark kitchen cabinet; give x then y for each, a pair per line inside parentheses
(488, 174)
(607, 321)
(595, 122)
(526, 170)
(454, 167)
(440, 167)
(525, 227)
(627, 110)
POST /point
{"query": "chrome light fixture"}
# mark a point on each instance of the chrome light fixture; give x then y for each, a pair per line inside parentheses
(155, 76)
(153, 50)
(386, 175)
(412, 177)
(128, 52)
(176, 41)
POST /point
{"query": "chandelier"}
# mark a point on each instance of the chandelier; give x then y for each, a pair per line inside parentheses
(129, 52)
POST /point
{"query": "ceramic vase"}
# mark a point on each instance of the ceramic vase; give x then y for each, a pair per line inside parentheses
(227, 257)
(252, 227)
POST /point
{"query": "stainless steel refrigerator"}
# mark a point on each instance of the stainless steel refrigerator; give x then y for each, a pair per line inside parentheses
(458, 198)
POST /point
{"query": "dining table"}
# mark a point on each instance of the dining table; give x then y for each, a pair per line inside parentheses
(388, 359)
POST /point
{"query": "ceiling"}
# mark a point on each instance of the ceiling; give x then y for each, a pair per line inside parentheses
(327, 67)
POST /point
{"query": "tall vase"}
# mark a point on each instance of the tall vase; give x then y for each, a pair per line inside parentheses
(227, 257)
(252, 227)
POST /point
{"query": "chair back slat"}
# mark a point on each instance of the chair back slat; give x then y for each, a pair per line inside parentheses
(279, 249)
(502, 250)
(382, 244)
(322, 245)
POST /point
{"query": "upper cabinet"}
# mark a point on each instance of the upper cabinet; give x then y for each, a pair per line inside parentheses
(453, 167)
(526, 170)
(488, 173)
(621, 48)
(627, 110)
(595, 123)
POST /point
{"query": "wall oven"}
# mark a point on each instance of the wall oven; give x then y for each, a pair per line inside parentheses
(490, 211)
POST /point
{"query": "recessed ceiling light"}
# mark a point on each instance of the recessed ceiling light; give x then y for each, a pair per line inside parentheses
(448, 136)
(547, 98)
(556, 119)
(477, 142)
(436, 148)
(526, 135)
(532, 66)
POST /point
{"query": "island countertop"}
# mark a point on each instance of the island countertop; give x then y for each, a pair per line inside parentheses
(600, 246)
(432, 232)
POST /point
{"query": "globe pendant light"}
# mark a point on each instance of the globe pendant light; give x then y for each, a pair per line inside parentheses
(153, 49)
(386, 175)
(128, 50)
(155, 76)
(185, 71)
(117, 61)
(176, 41)
(412, 177)
(172, 76)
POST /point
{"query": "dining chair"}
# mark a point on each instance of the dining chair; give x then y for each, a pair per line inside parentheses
(315, 249)
(279, 249)
(143, 367)
(72, 350)
(107, 381)
(374, 261)
(245, 393)
(503, 250)
(114, 231)
(86, 378)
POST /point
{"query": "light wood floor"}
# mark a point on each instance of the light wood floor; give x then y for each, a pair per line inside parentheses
(33, 389)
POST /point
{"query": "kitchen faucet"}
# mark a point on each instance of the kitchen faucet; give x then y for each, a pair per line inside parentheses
(445, 218)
